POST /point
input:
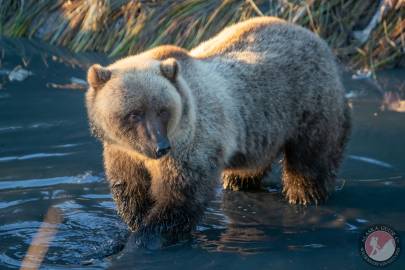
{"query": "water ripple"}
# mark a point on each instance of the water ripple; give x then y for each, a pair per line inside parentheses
(371, 161)
(33, 156)
(45, 182)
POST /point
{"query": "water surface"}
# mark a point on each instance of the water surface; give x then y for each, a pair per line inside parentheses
(48, 159)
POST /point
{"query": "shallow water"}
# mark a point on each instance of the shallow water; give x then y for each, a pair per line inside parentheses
(48, 159)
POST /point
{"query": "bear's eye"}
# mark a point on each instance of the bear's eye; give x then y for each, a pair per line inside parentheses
(135, 116)
(163, 113)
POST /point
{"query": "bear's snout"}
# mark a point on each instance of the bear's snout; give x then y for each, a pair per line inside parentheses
(163, 147)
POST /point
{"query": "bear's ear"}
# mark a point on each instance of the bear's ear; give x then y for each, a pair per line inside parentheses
(169, 68)
(97, 76)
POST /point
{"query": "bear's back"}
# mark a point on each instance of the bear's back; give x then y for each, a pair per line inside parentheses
(254, 34)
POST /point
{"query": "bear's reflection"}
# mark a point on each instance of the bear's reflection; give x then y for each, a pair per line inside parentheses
(253, 222)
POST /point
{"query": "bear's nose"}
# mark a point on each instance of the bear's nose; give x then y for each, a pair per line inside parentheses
(162, 149)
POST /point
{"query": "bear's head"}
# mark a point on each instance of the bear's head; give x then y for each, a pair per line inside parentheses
(136, 104)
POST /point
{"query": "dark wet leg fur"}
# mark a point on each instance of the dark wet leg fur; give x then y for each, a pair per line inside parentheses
(311, 161)
(130, 182)
(237, 182)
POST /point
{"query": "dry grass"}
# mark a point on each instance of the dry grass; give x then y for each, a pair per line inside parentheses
(121, 27)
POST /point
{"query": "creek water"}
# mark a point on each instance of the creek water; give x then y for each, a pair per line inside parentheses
(48, 159)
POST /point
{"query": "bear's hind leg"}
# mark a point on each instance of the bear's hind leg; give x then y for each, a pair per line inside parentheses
(311, 161)
(308, 174)
(238, 181)
(303, 184)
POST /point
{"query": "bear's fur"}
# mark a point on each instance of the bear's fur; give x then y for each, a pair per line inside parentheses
(228, 107)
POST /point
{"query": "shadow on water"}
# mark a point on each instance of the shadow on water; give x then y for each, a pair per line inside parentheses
(48, 159)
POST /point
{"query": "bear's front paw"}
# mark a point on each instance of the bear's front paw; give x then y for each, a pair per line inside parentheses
(168, 220)
(163, 227)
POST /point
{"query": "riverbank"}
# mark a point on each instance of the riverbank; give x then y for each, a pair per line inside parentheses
(364, 34)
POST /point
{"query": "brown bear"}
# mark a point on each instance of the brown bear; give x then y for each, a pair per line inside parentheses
(173, 121)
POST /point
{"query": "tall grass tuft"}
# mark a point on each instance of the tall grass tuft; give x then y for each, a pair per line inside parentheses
(122, 27)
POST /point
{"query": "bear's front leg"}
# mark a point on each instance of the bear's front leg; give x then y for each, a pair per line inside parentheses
(180, 191)
(130, 183)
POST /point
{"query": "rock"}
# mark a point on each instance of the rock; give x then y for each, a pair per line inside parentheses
(19, 74)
